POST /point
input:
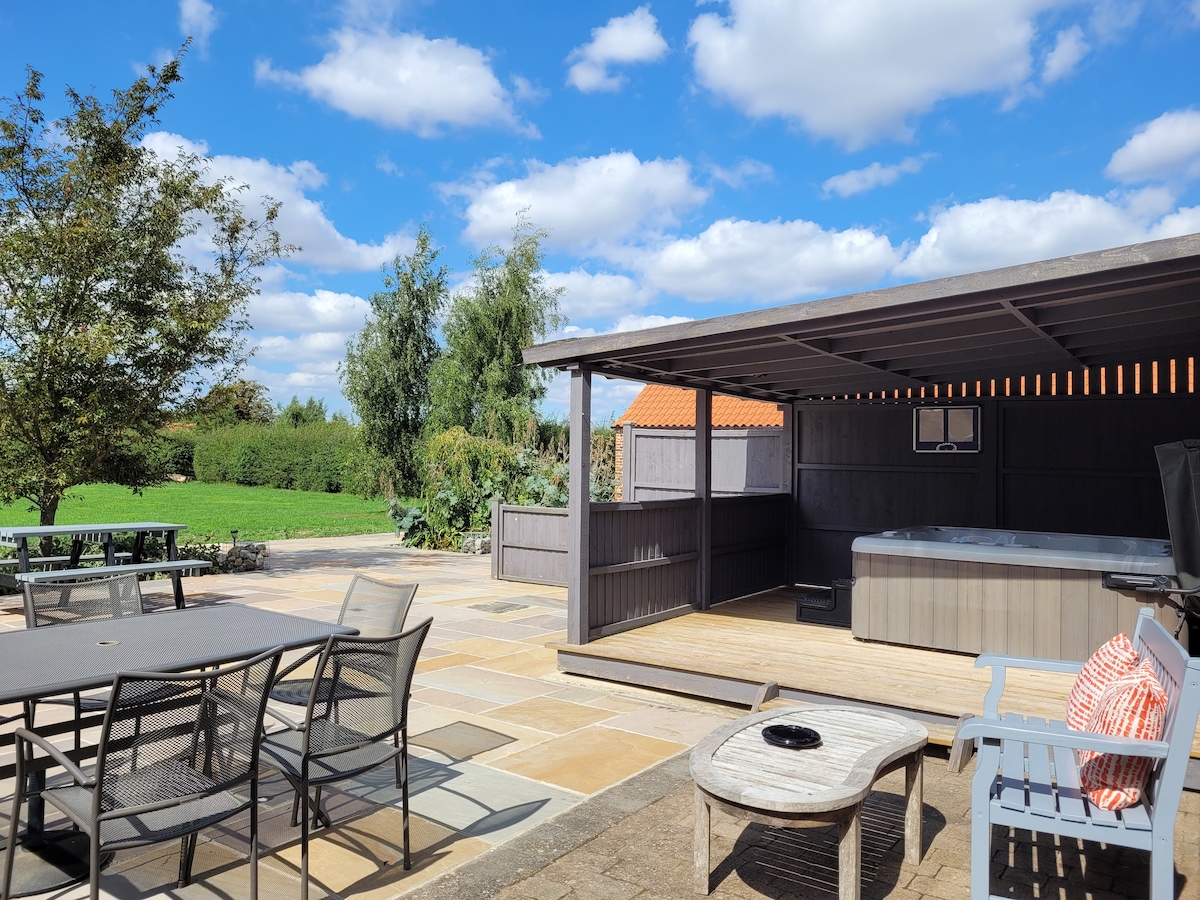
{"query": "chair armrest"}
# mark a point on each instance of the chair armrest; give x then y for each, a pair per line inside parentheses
(1001, 664)
(24, 735)
(1004, 730)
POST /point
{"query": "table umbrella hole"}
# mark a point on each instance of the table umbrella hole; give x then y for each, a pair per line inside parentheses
(107, 643)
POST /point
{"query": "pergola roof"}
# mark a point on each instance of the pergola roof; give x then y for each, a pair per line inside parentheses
(1122, 306)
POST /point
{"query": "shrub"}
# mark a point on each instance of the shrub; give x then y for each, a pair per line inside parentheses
(313, 457)
(174, 452)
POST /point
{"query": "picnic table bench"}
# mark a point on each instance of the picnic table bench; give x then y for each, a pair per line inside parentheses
(13, 562)
(19, 536)
(176, 568)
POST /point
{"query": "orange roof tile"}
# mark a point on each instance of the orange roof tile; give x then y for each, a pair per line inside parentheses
(660, 406)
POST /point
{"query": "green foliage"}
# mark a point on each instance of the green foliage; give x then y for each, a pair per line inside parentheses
(311, 457)
(234, 403)
(104, 323)
(297, 414)
(603, 465)
(386, 372)
(174, 452)
(211, 511)
(481, 383)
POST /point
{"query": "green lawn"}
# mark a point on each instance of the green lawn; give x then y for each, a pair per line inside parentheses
(211, 510)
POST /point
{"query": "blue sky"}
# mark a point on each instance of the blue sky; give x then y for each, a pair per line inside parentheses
(689, 160)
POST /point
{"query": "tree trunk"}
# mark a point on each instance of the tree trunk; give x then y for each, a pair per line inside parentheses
(46, 513)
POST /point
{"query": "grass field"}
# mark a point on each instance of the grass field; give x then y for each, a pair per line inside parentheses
(211, 510)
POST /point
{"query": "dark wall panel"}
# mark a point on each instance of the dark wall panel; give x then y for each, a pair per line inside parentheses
(1083, 464)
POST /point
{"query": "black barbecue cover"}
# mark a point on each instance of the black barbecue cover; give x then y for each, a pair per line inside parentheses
(1179, 466)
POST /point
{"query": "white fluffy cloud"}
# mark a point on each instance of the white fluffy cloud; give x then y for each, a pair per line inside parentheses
(858, 181)
(633, 38)
(316, 351)
(767, 261)
(582, 201)
(1000, 232)
(587, 296)
(319, 311)
(198, 19)
(302, 221)
(860, 70)
(404, 81)
(1165, 149)
(1069, 50)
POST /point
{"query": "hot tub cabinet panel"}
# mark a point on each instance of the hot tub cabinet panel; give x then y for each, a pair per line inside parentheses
(974, 606)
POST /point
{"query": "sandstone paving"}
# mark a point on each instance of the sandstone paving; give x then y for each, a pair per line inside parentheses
(471, 787)
(529, 784)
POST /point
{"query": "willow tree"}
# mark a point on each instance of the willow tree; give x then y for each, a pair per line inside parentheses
(386, 372)
(105, 322)
(481, 382)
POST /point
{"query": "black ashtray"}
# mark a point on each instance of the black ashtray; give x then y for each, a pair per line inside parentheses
(794, 737)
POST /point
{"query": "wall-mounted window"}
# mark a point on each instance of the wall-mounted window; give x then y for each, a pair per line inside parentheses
(946, 429)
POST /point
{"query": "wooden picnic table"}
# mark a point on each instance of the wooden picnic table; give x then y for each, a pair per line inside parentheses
(19, 536)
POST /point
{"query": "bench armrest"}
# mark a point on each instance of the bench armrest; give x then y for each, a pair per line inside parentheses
(24, 735)
(1016, 730)
(1001, 664)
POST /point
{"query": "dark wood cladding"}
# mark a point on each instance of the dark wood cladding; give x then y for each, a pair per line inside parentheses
(644, 558)
(529, 544)
(645, 555)
(1072, 464)
(749, 544)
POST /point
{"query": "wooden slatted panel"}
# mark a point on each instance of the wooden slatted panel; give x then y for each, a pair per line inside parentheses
(1012, 775)
(991, 608)
(786, 776)
(1041, 787)
(1070, 795)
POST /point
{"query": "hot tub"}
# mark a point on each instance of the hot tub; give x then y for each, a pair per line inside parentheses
(981, 590)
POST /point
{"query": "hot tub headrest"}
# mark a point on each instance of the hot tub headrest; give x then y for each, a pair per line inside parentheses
(1179, 468)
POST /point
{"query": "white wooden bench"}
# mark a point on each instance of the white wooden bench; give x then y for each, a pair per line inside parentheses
(174, 567)
(1027, 771)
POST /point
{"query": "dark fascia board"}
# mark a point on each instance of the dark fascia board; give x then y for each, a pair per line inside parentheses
(1012, 283)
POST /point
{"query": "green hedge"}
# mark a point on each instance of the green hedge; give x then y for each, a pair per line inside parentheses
(317, 457)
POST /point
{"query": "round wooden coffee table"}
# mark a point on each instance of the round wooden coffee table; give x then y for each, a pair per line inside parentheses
(739, 773)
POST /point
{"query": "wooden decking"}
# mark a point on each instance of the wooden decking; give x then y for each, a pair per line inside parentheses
(730, 651)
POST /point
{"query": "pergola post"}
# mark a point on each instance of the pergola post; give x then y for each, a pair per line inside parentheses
(704, 495)
(579, 515)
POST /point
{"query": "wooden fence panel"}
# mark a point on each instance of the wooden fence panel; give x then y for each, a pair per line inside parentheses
(644, 559)
(529, 543)
(749, 544)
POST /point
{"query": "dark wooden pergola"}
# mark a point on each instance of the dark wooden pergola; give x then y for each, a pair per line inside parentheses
(1076, 318)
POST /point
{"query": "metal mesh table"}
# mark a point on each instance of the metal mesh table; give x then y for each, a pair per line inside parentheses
(44, 662)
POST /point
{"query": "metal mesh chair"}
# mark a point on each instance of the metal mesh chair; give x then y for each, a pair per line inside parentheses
(376, 608)
(356, 719)
(81, 601)
(169, 763)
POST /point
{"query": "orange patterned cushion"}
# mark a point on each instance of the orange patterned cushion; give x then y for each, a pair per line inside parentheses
(1135, 706)
(1110, 662)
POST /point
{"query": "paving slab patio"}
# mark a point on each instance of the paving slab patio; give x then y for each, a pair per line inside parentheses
(529, 784)
(490, 715)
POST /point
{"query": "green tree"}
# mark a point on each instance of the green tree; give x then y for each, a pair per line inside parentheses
(234, 403)
(386, 372)
(104, 323)
(296, 414)
(481, 382)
